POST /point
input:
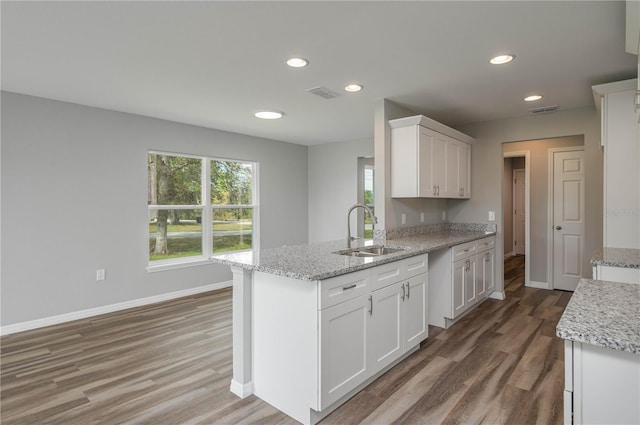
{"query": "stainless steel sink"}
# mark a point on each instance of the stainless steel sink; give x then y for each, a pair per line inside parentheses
(369, 251)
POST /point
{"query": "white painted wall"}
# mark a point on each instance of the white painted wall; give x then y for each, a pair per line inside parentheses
(74, 193)
(333, 187)
(487, 171)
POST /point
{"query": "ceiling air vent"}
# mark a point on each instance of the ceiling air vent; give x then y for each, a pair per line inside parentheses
(322, 92)
(543, 109)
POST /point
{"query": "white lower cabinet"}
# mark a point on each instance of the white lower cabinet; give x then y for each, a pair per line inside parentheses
(602, 385)
(461, 277)
(616, 274)
(399, 319)
(364, 322)
(345, 336)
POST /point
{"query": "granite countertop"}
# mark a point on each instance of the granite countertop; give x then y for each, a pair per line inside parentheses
(617, 257)
(606, 314)
(318, 261)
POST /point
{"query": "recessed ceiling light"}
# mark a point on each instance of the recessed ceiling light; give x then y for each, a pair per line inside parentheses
(532, 98)
(268, 115)
(297, 62)
(502, 59)
(353, 87)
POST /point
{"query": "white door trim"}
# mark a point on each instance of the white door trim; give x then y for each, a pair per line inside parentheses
(513, 203)
(527, 248)
(550, 264)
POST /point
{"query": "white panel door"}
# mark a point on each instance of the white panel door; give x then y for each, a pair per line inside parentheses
(568, 218)
(386, 325)
(415, 311)
(520, 219)
(458, 270)
(343, 358)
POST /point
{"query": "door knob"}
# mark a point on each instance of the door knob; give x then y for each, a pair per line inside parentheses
(558, 227)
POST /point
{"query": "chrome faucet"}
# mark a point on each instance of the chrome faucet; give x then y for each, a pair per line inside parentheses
(374, 220)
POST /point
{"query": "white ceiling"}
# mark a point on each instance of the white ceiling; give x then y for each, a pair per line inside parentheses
(213, 64)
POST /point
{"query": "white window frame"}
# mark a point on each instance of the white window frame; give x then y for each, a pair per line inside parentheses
(207, 208)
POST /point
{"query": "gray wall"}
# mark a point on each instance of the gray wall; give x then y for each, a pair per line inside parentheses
(74, 190)
(539, 199)
(487, 170)
(333, 187)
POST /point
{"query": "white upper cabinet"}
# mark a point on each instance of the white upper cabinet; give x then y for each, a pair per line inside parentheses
(429, 160)
(620, 138)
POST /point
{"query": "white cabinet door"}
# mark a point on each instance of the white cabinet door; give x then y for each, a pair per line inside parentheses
(415, 311)
(481, 276)
(386, 323)
(438, 165)
(451, 188)
(458, 282)
(464, 170)
(345, 333)
(471, 297)
(488, 260)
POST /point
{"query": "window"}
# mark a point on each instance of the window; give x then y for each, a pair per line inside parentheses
(368, 199)
(199, 206)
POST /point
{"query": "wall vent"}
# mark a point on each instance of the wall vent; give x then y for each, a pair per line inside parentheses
(543, 109)
(322, 92)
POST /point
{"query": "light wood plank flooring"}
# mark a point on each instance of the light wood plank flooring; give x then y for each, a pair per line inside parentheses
(170, 363)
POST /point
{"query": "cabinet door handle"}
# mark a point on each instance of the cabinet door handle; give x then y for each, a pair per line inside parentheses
(370, 305)
(438, 186)
(408, 290)
(403, 292)
(344, 288)
(434, 190)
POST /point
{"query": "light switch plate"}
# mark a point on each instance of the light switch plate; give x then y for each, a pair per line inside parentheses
(492, 216)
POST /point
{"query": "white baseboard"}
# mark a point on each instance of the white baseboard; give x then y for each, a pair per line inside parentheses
(497, 295)
(83, 314)
(539, 285)
(509, 255)
(242, 391)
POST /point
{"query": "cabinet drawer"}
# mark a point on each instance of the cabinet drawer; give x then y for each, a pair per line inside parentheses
(486, 243)
(463, 251)
(343, 288)
(415, 265)
(387, 274)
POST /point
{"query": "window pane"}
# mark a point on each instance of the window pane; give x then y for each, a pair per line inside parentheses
(368, 200)
(174, 180)
(231, 183)
(174, 234)
(232, 229)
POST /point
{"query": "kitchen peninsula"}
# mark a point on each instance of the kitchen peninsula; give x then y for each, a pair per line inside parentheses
(601, 329)
(313, 326)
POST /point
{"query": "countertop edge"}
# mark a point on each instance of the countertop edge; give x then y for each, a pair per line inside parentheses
(575, 325)
(410, 252)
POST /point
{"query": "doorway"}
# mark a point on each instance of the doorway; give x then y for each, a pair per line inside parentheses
(515, 211)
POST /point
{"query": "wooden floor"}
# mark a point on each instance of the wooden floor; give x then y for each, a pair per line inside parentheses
(170, 363)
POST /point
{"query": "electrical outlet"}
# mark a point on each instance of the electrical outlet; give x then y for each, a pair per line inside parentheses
(421, 217)
(492, 216)
(403, 218)
(444, 215)
(101, 274)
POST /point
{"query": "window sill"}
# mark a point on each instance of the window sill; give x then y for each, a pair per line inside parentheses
(177, 264)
